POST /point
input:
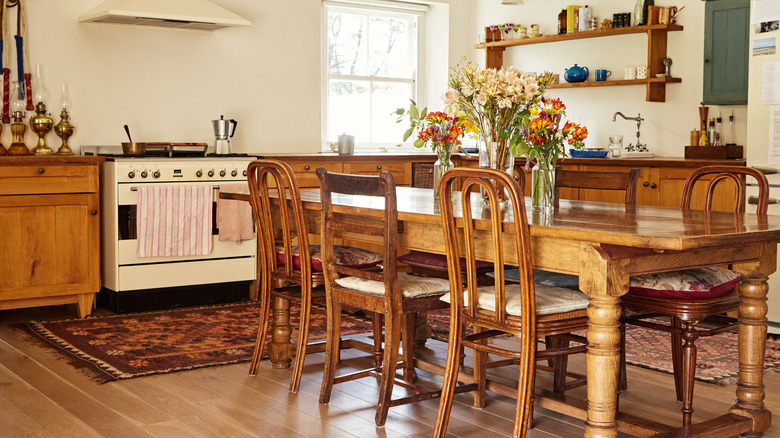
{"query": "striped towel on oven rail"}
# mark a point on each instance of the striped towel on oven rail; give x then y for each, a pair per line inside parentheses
(174, 221)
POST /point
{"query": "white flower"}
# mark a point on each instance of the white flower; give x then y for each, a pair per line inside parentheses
(450, 97)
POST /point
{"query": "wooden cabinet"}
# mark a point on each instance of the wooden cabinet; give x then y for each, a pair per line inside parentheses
(726, 52)
(400, 165)
(49, 231)
(656, 52)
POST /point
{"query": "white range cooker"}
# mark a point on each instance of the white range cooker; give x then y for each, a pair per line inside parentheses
(136, 284)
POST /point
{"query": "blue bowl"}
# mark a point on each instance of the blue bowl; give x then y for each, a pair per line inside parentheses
(587, 154)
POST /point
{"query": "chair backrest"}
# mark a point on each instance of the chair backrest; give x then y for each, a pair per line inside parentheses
(587, 179)
(381, 227)
(272, 184)
(736, 175)
(497, 225)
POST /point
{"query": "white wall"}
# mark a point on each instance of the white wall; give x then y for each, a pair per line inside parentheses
(168, 84)
(667, 125)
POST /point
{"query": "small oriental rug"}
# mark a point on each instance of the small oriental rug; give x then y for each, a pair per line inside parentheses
(717, 360)
(126, 346)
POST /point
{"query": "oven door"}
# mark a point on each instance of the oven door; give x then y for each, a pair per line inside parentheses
(227, 262)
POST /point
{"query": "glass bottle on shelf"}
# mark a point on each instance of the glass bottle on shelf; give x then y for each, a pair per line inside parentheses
(562, 22)
(730, 136)
(639, 12)
(18, 113)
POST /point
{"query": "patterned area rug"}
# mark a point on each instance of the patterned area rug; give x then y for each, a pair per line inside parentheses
(127, 346)
(717, 359)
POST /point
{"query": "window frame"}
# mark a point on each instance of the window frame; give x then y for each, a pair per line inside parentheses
(418, 82)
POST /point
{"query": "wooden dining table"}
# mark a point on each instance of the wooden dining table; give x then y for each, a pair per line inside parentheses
(605, 244)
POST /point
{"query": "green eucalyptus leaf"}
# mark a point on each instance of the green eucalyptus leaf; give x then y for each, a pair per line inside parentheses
(419, 143)
(413, 112)
(408, 133)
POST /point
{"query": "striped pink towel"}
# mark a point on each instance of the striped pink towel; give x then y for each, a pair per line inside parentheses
(174, 221)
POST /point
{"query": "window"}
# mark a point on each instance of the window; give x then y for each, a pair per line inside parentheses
(372, 53)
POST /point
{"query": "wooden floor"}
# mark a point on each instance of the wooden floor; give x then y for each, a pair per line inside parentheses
(41, 396)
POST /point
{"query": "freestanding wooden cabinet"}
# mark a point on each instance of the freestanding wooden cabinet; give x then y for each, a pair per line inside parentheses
(49, 231)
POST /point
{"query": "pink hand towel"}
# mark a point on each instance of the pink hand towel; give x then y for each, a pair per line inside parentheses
(174, 221)
(234, 218)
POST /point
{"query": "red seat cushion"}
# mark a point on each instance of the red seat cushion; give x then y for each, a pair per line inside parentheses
(689, 284)
(344, 255)
(435, 262)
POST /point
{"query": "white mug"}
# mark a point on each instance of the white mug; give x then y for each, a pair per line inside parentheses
(641, 72)
(629, 73)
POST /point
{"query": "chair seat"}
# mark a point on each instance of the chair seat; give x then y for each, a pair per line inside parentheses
(411, 285)
(689, 284)
(549, 299)
(345, 255)
(544, 277)
(435, 262)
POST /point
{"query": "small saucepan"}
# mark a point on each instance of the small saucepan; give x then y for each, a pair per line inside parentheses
(133, 148)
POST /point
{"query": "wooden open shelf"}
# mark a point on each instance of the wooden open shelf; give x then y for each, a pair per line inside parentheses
(581, 35)
(614, 83)
(656, 52)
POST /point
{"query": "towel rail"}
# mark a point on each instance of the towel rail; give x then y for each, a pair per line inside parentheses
(135, 189)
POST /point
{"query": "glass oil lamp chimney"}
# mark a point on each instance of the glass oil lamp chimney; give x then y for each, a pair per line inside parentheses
(18, 128)
(64, 129)
(41, 123)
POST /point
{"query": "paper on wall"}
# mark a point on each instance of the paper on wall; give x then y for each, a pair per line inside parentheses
(765, 10)
(774, 134)
(770, 83)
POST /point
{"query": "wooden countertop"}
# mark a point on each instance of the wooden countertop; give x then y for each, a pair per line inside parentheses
(26, 160)
(426, 157)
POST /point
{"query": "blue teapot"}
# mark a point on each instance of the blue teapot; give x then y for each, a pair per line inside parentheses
(576, 74)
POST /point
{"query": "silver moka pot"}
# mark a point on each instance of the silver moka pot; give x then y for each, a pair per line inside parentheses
(223, 131)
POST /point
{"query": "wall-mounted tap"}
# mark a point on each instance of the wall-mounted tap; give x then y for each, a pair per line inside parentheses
(639, 147)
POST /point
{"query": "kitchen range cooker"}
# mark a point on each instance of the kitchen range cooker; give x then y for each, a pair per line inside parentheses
(136, 284)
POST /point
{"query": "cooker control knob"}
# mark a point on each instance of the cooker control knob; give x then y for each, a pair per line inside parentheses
(199, 173)
(156, 174)
(222, 173)
(244, 173)
(234, 172)
(144, 174)
(211, 173)
(131, 174)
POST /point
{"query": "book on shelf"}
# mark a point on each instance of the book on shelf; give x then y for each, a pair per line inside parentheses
(572, 18)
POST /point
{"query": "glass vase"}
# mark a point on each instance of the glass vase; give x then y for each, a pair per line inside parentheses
(443, 164)
(496, 155)
(543, 185)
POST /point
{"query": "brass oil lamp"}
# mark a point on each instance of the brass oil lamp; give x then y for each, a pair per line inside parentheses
(41, 123)
(18, 128)
(64, 129)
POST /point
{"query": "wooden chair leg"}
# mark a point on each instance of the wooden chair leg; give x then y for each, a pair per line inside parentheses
(376, 324)
(480, 373)
(677, 357)
(407, 342)
(333, 335)
(560, 364)
(262, 332)
(303, 340)
(454, 360)
(389, 364)
(688, 371)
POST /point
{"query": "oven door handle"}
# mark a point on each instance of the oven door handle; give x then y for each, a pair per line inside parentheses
(135, 189)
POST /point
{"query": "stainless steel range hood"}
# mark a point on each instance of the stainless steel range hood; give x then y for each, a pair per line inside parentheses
(187, 14)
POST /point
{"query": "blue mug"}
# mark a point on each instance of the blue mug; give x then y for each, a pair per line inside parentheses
(602, 75)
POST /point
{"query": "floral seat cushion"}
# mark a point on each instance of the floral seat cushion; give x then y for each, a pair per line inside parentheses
(344, 255)
(689, 284)
(411, 285)
(549, 299)
(434, 262)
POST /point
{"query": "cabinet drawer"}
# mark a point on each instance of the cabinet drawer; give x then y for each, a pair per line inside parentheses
(306, 172)
(48, 179)
(401, 170)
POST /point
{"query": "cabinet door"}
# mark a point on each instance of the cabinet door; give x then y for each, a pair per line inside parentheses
(726, 45)
(50, 245)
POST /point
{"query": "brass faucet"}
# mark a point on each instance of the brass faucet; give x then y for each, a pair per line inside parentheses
(639, 147)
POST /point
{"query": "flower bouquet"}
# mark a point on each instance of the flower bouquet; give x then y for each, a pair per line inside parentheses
(497, 102)
(544, 140)
(439, 130)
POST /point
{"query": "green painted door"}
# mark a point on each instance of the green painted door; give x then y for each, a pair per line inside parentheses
(726, 45)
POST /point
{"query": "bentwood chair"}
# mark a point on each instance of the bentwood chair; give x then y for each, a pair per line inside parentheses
(527, 310)
(389, 295)
(686, 298)
(289, 267)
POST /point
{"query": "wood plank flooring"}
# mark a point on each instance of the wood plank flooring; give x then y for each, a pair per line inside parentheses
(43, 396)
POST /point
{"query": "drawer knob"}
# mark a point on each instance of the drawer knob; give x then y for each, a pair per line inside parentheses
(94, 212)
(645, 184)
(41, 170)
(307, 167)
(652, 186)
(378, 167)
